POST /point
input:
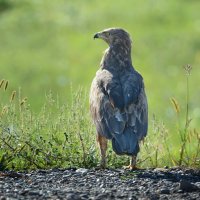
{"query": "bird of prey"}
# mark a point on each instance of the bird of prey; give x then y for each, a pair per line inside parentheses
(118, 102)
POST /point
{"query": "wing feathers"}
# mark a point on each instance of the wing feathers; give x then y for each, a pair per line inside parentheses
(119, 109)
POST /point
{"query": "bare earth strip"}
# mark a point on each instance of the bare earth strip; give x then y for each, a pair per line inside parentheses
(175, 183)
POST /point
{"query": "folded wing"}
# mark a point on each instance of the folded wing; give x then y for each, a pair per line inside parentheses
(119, 109)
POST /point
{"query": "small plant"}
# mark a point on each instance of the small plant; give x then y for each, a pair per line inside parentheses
(161, 148)
(58, 136)
(186, 135)
(154, 152)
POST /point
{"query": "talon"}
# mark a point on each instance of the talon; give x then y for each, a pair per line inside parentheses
(131, 167)
(99, 167)
(102, 166)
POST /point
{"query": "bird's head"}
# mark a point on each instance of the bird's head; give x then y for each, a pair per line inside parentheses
(114, 36)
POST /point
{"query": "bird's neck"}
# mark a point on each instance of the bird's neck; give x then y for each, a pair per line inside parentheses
(117, 57)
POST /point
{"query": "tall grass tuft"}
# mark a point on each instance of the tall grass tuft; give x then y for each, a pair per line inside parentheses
(189, 152)
(57, 136)
(162, 148)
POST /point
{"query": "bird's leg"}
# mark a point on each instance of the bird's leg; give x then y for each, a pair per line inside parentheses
(132, 165)
(103, 147)
(133, 162)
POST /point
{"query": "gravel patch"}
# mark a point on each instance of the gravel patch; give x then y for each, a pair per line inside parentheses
(84, 184)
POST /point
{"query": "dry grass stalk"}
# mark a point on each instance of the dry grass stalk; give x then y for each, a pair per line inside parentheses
(12, 97)
(4, 110)
(23, 101)
(188, 69)
(176, 105)
(2, 82)
(6, 86)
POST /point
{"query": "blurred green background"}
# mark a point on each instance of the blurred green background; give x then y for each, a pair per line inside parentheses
(48, 45)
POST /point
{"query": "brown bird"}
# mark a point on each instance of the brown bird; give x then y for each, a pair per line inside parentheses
(118, 102)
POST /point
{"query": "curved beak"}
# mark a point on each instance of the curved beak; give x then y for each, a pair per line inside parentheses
(96, 36)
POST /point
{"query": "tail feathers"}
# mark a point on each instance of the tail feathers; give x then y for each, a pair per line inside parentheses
(126, 143)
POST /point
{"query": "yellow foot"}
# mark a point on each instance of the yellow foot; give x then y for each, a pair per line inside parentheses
(131, 167)
(102, 166)
(99, 167)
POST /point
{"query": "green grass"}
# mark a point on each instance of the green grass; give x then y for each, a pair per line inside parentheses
(48, 46)
(63, 136)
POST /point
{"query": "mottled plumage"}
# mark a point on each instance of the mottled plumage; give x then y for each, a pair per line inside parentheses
(118, 102)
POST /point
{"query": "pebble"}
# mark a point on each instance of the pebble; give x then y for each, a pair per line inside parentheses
(164, 191)
(73, 196)
(188, 187)
(82, 171)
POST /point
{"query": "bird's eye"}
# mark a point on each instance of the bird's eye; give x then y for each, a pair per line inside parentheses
(108, 34)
